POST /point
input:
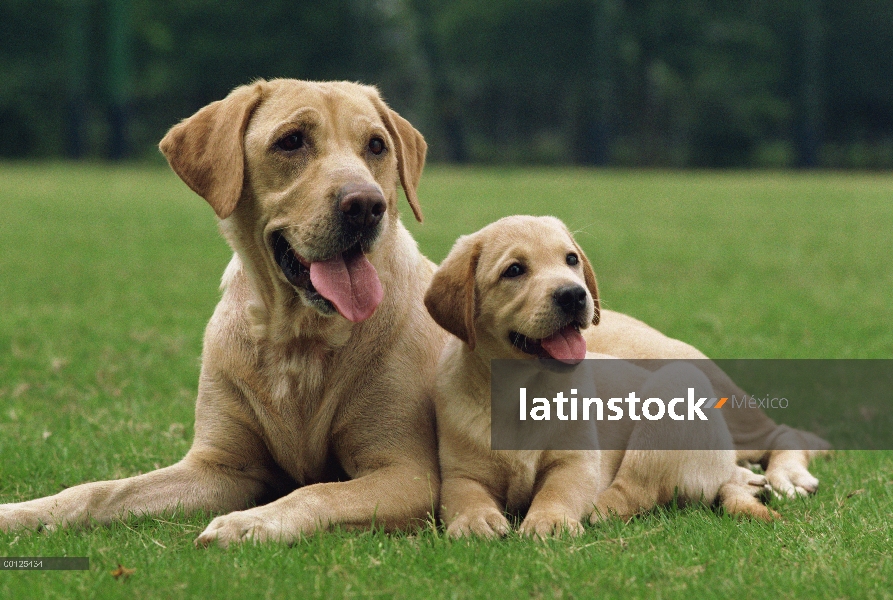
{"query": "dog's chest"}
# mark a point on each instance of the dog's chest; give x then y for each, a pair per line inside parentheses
(297, 378)
(294, 407)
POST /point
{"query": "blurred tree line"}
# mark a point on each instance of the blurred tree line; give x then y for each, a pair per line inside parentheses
(684, 83)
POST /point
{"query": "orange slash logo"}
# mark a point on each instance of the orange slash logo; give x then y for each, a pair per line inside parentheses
(716, 402)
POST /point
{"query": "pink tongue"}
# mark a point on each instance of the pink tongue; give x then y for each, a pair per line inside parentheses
(352, 285)
(566, 345)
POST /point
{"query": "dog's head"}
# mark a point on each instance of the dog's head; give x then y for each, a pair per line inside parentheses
(519, 287)
(304, 176)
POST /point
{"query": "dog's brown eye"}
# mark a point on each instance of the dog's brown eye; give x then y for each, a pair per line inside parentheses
(514, 270)
(572, 259)
(292, 141)
(376, 146)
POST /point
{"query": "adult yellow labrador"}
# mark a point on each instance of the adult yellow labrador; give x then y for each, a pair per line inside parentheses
(317, 361)
(317, 358)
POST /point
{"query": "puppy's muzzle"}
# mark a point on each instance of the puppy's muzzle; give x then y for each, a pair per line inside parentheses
(362, 207)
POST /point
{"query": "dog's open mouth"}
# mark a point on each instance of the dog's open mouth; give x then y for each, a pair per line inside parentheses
(346, 281)
(565, 344)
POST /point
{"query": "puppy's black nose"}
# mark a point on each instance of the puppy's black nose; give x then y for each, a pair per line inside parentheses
(571, 299)
(362, 205)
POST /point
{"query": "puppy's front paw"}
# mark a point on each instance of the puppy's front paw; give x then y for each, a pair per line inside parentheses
(543, 524)
(753, 483)
(791, 480)
(488, 523)
(243, 526)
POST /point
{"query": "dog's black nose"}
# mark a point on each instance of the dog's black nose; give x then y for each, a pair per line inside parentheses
(362, 205)
(571, 299)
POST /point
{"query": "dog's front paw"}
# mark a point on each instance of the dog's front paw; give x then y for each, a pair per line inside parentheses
(244, 526)
(543, 524)
(16, 517)
(488, 523)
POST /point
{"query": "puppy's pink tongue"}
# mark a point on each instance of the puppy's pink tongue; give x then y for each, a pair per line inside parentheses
(566, 345)
(351, 284)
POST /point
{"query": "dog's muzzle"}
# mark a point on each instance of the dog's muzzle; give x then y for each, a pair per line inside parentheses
(345, 281)
(338, 276)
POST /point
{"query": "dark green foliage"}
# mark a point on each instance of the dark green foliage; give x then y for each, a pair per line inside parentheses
(691, 83)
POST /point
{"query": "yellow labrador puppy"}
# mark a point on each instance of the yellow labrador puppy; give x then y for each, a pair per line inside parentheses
(522, 287)
(316, 362)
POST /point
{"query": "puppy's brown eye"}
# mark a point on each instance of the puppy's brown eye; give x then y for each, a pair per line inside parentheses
(572, 259)
(292, 141)
(514, 270)
(376, 146)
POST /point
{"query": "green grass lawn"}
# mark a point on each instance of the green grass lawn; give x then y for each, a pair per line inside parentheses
(108, 275)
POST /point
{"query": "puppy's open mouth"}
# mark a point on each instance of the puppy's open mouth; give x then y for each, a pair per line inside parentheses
(346, 282)
(566, 344)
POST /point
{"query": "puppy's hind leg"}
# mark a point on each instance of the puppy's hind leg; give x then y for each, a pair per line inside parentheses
(631, 492)
(670, 455)
(739, 496)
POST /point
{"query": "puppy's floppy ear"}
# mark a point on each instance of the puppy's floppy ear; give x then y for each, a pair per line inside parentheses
(451, 297)
(589, 277)
(207, 150)
(410, 148)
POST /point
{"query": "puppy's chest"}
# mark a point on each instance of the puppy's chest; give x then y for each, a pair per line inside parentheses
(509, 474)
(517, 468)
(521, 471)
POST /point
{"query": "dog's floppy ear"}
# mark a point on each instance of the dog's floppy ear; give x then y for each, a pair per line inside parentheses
(451, 297)
(589, 277)
(207, 150)
(410, 149)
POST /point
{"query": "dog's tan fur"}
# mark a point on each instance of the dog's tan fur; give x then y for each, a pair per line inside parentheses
(332, 414)
(471, 298)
